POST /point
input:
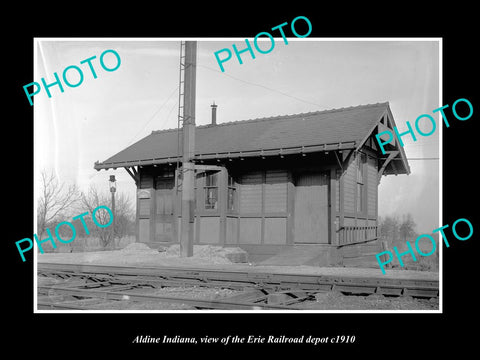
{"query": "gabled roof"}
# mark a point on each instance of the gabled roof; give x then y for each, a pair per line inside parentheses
(344, 128)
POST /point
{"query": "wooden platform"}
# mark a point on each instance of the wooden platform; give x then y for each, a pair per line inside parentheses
(354, 255)
(315, 255)
(360, 255)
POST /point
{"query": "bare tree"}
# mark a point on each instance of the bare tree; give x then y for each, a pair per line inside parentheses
(388, 227)
(407, 227)
(123, 215)
(56, 200)
(397, 231)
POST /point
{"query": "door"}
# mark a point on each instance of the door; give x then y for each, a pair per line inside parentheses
(164, 224)
(311, 208)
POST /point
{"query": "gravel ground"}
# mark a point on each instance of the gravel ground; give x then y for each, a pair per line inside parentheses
(214, 257)
(338, 301)
(180, 292)
(323, 301)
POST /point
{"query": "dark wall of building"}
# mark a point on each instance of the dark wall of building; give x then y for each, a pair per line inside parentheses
(266, 203)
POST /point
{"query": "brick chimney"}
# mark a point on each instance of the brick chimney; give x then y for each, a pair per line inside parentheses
(214, 113)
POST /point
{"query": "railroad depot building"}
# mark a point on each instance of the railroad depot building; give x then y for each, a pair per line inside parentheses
(296, 183)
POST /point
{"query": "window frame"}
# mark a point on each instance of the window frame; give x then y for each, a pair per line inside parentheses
(360, 162)
(231, 194)
(207, 187)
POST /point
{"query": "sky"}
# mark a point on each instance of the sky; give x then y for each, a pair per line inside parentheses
(102, 116)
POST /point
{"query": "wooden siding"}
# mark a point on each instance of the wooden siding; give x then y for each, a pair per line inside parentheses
(266, 209)
(275, 231)
(372, 187)
(311, 208)
(144, 208)
(250, 231)
(164, 202)
(349, 186)
(337, 190)
(276, 191)
(355, 224)
(209, 230)
(146, 181)
(144, 230)
(250, 196)
(164, 231)
(357, 230)
(231, 231)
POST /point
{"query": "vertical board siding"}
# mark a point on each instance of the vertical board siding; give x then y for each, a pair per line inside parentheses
(311, 208)
(164, 202)
(209, 230)
(349, 187)
(372, 187)
(250, 199)
(337, 192)
(276, 191)
(231, 233)
(146, 181)
(144, 230)
(144, 208)
(250, 231)
(164, 231)
(275, 231)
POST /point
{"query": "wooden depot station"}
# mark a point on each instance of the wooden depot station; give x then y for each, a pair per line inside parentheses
(305, 182)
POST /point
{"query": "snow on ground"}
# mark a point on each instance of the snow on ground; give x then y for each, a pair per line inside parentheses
(140, 254)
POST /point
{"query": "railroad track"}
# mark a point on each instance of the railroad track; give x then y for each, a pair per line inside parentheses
(84, 285)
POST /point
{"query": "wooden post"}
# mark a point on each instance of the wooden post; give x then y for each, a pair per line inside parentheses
(222, 206)
(188, 167)
(385, 248)
(290, 209)
(333, 209)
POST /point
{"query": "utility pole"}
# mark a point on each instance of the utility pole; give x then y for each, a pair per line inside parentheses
(113, 188)
(188, 167)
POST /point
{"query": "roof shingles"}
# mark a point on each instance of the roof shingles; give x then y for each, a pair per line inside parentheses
(280, 132)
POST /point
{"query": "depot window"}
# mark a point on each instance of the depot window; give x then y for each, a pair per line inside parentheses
(361, 159)
(231, 193)
(211, 191)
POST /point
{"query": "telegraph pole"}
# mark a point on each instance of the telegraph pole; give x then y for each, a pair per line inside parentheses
(188, 167)
(113, 188)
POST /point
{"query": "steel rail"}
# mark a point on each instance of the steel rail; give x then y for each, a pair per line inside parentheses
(115, 295)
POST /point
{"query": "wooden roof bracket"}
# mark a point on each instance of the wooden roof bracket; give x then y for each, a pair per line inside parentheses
(391, 156)
(133, 173)
(348, 158)
(338, 160)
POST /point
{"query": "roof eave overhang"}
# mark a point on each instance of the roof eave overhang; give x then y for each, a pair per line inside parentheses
(401, 156)
(348, 145)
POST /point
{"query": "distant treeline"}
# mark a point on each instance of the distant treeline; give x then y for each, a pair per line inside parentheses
(397, 229)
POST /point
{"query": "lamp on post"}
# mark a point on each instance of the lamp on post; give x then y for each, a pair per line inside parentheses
(113, 188)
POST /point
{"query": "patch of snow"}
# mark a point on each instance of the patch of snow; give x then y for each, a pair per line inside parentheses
(138, 247)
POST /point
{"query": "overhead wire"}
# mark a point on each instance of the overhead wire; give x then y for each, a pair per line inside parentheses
(154, 114)
(260, 85)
